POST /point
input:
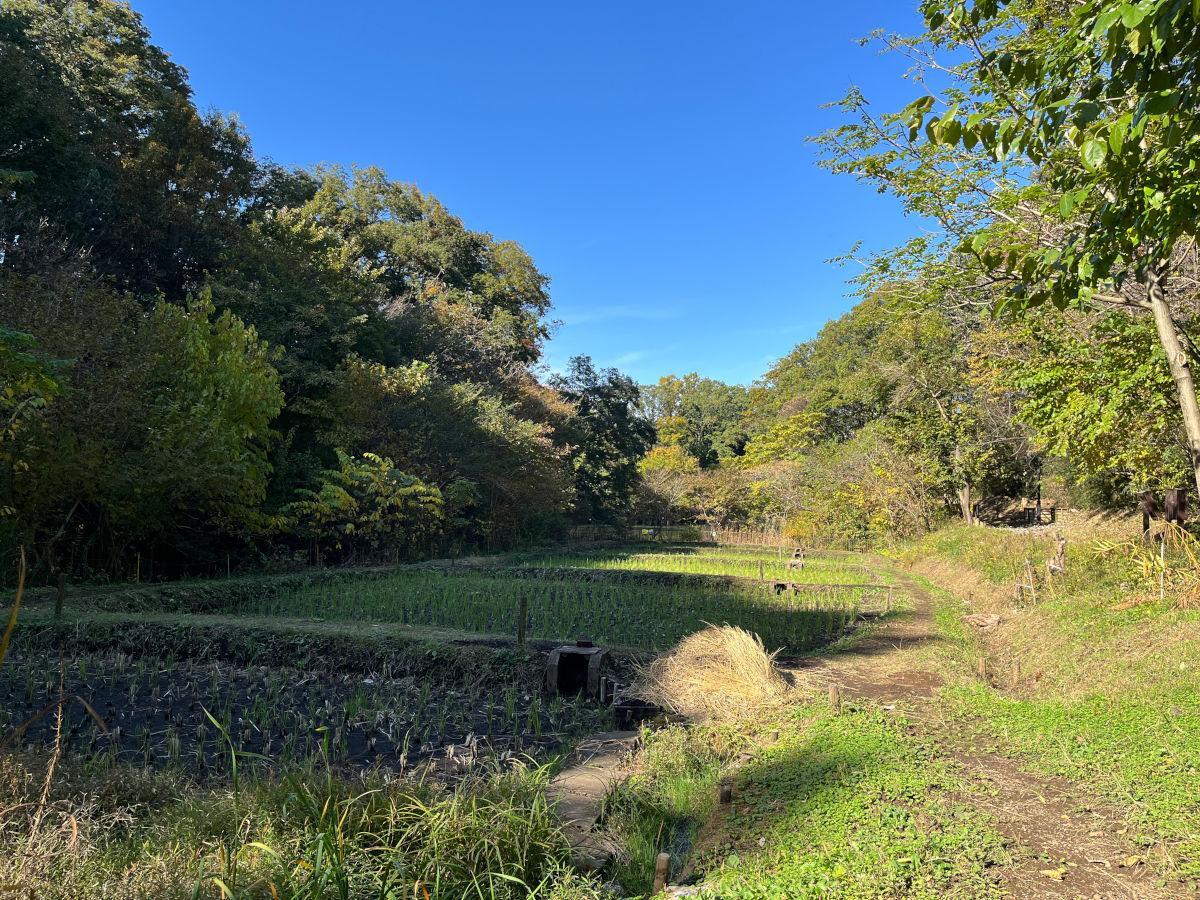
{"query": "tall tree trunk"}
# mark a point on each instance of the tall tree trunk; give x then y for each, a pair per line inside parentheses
(1181, 369)
(964, 503)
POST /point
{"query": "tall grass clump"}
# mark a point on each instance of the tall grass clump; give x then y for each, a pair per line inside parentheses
(662, 805)
(311, 833)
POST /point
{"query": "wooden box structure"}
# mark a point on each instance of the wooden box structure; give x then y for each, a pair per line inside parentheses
(578, 668)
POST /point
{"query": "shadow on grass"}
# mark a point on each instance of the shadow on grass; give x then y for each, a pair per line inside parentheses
(842, 804)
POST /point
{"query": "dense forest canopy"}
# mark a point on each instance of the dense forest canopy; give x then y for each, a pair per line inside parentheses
(206, 355)
(210, 357)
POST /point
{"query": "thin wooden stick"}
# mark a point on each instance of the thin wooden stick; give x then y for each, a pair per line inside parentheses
(12, 616)
(522, 616)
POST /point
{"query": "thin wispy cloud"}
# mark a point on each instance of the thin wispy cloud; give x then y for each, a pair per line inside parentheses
(613, 313)
(628, 359)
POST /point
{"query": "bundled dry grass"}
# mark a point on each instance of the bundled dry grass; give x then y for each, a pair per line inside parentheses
(718, 673)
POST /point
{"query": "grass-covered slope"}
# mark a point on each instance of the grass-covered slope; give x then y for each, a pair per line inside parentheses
(1105, 687)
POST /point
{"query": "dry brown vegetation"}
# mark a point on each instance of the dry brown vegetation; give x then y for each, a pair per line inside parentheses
(716, 674)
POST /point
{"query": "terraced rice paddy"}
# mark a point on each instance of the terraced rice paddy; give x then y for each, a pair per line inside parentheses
(153, 709)
(643, 616)
(764, 564)
(186, 716)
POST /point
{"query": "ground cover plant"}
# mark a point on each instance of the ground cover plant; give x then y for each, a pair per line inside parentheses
(840, 805)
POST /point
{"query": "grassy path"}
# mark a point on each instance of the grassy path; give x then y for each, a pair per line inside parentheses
(1062, 840)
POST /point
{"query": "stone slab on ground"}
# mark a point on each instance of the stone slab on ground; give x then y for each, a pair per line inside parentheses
(598, 763)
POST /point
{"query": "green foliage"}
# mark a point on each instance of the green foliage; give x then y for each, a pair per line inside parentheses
(109, 148)
(701, 415)
(213, 394)
(1095, 391)
(164, 418)
(368, 502)
(668, 476)
(396, 333)
(1096, 96)
(606, 438)
(787, 439)
(864, 493)
(28, 383)
(1056, 154)
(864, 433)
(669, 459)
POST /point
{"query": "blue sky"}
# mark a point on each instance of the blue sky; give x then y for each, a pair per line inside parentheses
(650, 156)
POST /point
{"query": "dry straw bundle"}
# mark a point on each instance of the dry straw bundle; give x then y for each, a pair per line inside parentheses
(718, 673)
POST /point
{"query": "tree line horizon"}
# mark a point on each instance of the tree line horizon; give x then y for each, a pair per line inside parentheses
(209, 359)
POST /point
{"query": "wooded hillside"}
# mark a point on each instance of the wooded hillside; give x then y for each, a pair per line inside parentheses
(210, 360)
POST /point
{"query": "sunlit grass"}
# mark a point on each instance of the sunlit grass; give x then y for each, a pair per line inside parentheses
(646, 616)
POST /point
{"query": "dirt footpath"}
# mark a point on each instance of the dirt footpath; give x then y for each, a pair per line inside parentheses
(1065, 841)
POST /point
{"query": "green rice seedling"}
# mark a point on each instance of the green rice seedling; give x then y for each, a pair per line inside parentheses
(174, 746)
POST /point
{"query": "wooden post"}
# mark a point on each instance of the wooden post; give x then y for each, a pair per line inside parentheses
(726, 794)
(981, 667)
(522, 616)
(835, 698)
(228, 568)
(1016, 673)
(137, 575)
(661, 866)
(1147, 506)
(1176, 505)
(60, 595)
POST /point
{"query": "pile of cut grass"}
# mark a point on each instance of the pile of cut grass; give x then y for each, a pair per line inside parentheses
(718, 673)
